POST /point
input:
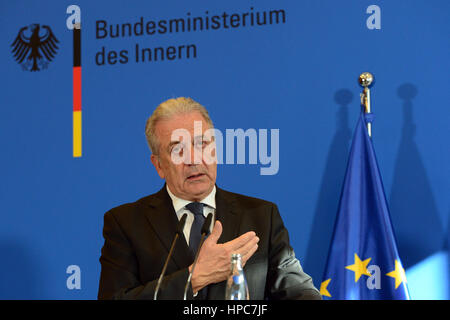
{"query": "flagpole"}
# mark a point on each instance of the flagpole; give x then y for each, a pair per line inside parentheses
(365, 80)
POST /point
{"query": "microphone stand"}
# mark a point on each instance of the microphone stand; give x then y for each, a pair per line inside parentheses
(180, 228)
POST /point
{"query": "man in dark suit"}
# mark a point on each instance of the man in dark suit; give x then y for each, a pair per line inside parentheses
(138, 235)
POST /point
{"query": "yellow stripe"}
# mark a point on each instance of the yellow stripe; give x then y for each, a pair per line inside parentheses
(77, 134)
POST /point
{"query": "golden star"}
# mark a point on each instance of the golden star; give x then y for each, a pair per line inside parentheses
(359, 267)
(323, 288)
(398, 274)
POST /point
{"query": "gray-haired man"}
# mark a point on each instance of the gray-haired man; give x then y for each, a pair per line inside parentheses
(138, 235)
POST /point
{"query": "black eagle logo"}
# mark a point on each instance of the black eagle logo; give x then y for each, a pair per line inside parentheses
(36, 51)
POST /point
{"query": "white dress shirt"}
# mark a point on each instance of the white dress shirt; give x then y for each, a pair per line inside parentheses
(180, 208)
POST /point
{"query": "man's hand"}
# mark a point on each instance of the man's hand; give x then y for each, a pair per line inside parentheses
(214, 260)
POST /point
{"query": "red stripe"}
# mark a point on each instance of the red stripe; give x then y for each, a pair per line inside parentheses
(76, 88)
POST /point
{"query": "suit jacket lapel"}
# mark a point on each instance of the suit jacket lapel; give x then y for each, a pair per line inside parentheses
(163, 219)
(227, 214)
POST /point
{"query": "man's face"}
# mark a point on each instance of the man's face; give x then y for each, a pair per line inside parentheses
(188, 170)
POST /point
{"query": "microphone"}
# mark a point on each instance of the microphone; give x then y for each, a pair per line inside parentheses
(179, 231)
(205, 230)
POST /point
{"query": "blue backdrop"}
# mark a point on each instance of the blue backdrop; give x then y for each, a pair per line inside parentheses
(297, 74)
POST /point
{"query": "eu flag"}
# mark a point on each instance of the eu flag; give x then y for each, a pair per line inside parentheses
(363, 261)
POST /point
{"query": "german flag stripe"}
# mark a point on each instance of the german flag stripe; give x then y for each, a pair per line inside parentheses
(77, 150)
(77, 45)
(76, 88)
(76, 78)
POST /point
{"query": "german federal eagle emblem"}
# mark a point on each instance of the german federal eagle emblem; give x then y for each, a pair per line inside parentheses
(34, 47)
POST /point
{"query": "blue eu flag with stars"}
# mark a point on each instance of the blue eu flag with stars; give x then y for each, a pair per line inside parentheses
(363, 262)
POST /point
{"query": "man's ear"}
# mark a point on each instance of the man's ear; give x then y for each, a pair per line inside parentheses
(157, 164)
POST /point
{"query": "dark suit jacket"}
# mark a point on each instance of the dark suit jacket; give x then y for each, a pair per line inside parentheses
(138, 237)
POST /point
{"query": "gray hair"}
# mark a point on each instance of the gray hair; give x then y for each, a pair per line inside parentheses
(167, 110)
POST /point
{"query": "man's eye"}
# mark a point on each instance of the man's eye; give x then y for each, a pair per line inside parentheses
(178, 148)
(201, 143)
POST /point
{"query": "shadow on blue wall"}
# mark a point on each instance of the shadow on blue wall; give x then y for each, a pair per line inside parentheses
(19, 273)
(414, 213)
(330, 190)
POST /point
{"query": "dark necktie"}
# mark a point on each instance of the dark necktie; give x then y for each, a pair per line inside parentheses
(196, 234)
(194, 238)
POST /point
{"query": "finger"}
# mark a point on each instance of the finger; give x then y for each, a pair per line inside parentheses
(249, 254)
(216, 232)
(248, 246)
(237, 243)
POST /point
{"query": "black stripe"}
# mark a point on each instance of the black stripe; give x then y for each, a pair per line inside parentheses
(76, 47)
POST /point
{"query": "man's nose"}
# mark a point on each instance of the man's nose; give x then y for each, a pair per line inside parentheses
(196, 155)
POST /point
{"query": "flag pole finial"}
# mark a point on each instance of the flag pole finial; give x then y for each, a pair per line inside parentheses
(366, 80)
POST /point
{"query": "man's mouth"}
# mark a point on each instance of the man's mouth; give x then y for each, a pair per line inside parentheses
(195, 176)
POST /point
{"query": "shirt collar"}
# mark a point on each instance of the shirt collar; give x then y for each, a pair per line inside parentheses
(178, 203)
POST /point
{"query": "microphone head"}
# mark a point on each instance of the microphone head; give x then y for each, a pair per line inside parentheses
(181, 224)
(206, 226)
